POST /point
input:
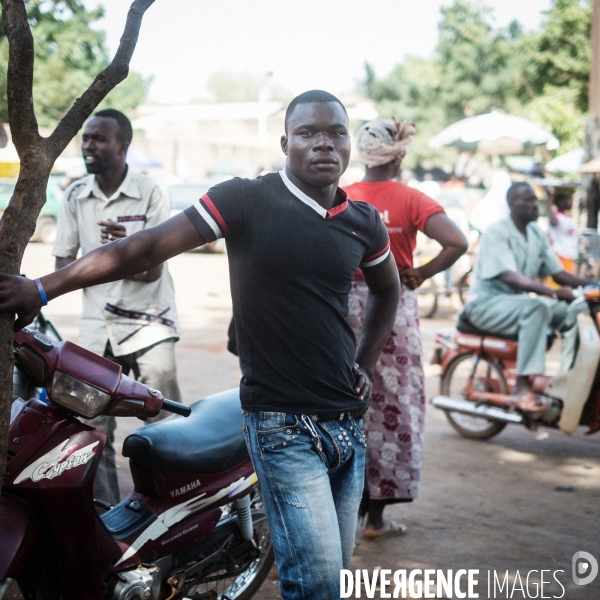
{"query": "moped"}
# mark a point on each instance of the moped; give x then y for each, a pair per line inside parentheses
(193, 527)
(478, 373)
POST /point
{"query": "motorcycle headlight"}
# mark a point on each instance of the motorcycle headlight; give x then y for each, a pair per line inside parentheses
(74, 394)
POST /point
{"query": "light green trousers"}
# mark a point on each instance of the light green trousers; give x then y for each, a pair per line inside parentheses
(529, 318)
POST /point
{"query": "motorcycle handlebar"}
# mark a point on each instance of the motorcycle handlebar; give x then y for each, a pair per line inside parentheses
(176, 407)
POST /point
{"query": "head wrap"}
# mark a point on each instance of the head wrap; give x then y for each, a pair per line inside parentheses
(382, 140)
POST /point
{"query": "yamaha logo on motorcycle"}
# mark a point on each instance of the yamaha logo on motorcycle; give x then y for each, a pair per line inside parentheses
(184, 489)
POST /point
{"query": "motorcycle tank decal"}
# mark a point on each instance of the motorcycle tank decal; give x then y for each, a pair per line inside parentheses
(174, 515)
(56, 462)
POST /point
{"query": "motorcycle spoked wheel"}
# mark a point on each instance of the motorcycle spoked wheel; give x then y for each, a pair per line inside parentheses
(230, 584)
(488, 377)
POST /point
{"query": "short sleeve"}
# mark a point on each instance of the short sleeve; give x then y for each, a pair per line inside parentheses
(219, 213)
(495, 254)
(422, 207)
(378, 252)
(159, 207)
(66, 244)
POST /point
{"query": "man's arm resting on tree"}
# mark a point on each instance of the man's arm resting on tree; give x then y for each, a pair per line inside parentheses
(123, 258)
(145, 276)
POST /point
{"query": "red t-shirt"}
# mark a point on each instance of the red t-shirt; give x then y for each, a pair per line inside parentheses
(403, 210)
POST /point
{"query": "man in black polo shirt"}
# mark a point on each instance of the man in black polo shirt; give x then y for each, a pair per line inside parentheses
(294, 243)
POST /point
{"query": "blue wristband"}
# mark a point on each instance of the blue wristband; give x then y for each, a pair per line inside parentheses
(41, 292)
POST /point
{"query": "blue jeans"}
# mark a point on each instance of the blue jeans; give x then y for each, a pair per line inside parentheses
(311, 477)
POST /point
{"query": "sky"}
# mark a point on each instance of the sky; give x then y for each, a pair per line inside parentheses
(303, 44)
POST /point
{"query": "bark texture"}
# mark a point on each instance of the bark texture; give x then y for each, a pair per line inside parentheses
(37, 155)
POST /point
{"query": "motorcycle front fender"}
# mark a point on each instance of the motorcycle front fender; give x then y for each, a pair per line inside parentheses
(19, 531)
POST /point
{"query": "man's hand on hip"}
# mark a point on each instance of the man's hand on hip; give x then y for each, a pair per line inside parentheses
(362, 384)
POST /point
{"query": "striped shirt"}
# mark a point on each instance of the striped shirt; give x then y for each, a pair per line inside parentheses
(291, 264)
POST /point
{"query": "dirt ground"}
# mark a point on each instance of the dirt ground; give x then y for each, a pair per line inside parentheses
(522, 502)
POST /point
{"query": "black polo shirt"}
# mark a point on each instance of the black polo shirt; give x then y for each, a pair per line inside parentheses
(291, 265)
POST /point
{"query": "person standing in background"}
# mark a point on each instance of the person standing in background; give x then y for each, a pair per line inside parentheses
(394, 423)
(132, 322)
(563, 230)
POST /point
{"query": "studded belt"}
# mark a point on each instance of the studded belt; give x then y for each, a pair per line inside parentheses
(337, 416)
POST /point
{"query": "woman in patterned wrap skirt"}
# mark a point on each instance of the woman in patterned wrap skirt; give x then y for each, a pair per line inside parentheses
(394, 422)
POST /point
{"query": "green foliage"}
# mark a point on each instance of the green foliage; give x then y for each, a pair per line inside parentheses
(409, 93)
(477, 66)
(542, 75)
(557, 110)
(559, 55)
(68, 55)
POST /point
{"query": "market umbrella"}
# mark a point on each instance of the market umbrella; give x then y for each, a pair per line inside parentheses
(568, 163)
(494, 133)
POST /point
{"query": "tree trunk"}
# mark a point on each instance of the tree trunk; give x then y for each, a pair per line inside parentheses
(590, 182)
(592, 127)
(37, 157)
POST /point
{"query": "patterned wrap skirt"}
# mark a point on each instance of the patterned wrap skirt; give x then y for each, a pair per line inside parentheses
(394, 422)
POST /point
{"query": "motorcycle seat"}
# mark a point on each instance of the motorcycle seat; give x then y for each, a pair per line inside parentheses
(465, 326)
(210, 440)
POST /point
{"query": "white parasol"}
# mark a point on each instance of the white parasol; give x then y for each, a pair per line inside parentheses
(494, 133)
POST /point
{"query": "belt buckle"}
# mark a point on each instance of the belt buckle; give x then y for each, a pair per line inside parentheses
(341, 417)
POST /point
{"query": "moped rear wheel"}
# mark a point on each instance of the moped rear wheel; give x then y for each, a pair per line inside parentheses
(487, 377)
(229, 583)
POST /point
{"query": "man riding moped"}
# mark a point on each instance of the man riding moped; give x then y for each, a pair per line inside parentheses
(513, 255)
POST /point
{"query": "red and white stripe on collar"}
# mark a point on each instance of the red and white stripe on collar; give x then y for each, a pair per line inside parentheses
(326, 214)
(210, 213)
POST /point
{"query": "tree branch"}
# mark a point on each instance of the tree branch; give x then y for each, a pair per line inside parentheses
(23, 124)
(116, 72)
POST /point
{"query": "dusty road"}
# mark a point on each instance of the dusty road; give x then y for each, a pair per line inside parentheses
(523, 502)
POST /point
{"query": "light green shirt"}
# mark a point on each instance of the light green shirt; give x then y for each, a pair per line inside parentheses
(504, 248)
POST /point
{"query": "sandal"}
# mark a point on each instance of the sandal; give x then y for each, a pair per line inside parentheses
(393, 531)
(530, 402)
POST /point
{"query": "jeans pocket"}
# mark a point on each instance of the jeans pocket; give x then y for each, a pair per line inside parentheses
(272, 422)
(277, 430)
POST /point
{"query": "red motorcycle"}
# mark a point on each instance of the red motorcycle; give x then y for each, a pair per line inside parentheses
(479, 373)
(192, 528)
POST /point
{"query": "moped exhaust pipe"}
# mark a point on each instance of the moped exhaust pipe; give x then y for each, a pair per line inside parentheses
(470, 408)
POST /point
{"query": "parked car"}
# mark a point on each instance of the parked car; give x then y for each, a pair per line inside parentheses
(184, 195)
(45, 228)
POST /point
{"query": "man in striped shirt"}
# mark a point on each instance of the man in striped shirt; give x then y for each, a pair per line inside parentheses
(294, 242)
